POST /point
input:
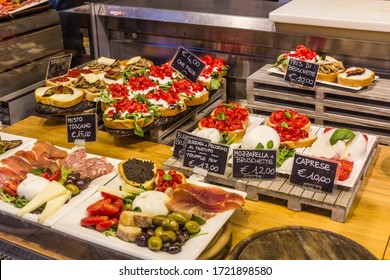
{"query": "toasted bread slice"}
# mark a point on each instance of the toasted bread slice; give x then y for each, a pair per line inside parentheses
(364, 78)
(62, 97)
(197, 100)
(127, 124)
(307, 142)
(138, 172)
(269, 123)
(173, 111)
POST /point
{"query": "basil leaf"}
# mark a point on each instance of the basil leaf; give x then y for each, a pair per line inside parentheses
(221, 116)
(341, 134)
(287, 114)
(270, 144)
(284, 124)
(260, 146)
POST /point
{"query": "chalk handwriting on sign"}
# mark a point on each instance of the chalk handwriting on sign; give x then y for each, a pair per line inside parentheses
(81, 127)
(5, 116)
(254, 164)
(179, 143)
(58, 66)
(188, 64)
(203, 154)
(301, 72)
(313, 173)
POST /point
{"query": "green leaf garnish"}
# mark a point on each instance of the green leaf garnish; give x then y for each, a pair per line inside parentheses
(341, 134)
(259, 146)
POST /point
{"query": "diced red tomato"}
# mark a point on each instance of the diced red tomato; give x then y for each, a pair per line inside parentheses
(11, 187)
(106, 224)
(345, 170)
(55, 176)
(163, 183)
(93, 220)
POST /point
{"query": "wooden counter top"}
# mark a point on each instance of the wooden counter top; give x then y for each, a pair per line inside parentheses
(367, 224)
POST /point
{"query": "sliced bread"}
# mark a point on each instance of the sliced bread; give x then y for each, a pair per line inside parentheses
(59, 96)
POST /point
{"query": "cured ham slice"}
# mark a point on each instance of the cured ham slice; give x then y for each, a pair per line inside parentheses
(205, 202)
(20, 165)
(87, 167)
(7, 174)
(48, 150)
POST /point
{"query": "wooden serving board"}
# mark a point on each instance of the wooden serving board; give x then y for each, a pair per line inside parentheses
(299, 243)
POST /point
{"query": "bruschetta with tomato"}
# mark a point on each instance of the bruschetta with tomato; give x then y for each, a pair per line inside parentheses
(193, 94)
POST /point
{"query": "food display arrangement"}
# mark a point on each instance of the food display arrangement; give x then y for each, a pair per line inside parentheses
(12, 7)
(134, 95)
(130, 206)
(331, 71)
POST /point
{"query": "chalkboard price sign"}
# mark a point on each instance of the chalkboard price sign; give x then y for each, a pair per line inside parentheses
(203, 154)
(301, 72)
(5, 116)
(254, 164)
(58, 66)
(81, 127)
(313, 173)
(187, 64)
(180, 141)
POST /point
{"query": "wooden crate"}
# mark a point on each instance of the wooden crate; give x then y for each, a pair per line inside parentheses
(366, 110)
(336, 204)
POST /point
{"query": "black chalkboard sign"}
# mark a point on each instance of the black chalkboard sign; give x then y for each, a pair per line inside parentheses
(203, 154)
(58, 66)
(313, 173)
(254, 164)
(5, 116)
(301, 72)
(179, 143)
(81, 127)
(187, 64)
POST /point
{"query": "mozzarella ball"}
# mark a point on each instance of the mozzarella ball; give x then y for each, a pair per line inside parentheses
(151, 202)
(261, 137)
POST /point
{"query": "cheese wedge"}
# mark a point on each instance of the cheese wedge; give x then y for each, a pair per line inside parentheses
(52, 206)
(50, 191)
(105, 60)
(119, 193)
(91, 78)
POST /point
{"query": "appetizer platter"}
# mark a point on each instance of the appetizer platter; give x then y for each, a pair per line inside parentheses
(331, 71)
(42, 182)
(9, 143)
(137, 234)
(11, 7)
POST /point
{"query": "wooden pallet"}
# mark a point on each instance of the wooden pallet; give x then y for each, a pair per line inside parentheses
(337, 204)
(366, 110)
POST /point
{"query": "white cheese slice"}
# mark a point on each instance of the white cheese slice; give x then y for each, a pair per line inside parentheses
(50, 191)
(53, 205)
(151, 202)
(356, 149)
(133, 60)
(105, 60)
(91, 78)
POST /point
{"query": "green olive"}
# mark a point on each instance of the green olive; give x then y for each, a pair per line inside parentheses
(72, 188)
(170, 224)
(158, 231)
(192, 227)
(157, 220)
(155, 243)
(168, 236)
(180, 217)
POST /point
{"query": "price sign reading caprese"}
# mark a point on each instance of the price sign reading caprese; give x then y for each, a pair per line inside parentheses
(58, 66)
(201, 153)
(81, 127)
(313, 173)
(301, 72)
(188, 64)
(254, 164)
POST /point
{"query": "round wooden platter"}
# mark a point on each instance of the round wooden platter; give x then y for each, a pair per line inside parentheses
(298, 243)
(219, 247)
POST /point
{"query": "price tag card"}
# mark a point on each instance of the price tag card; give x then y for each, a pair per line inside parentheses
(5, 115)
(187, 64)
(58, 66)
(81, 127)
(313, 173)
(179, 143)
(301, 72)
(254, 164)
(203, 154)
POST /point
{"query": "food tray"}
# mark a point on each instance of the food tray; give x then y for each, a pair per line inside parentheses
(280, 190)
(364, 110)
(70, 224)
(73, 202)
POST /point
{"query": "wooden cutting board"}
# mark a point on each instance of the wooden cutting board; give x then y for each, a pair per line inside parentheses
(219, 247)
(299, 243)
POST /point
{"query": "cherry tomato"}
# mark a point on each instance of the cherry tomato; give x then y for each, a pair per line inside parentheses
(345, 169)
(55, 176)
(96, 208)
(11, 186)
(106, 224)
(109, 195)
(45, 175)
(109, 209)
(93, 220)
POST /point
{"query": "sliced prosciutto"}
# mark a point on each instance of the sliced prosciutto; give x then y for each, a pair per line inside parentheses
(90, 168)
(205, 202)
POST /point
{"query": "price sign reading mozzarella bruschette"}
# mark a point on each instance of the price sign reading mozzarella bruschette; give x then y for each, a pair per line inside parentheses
(188, 64)
(313, 173)
(81, 127)
(179, 143)
(301, 72)
(254, 164)
(58, 66)
(203, 154)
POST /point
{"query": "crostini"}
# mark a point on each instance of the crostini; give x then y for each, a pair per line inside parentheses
(138, 172)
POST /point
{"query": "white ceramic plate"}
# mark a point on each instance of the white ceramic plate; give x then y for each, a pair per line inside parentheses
(70, 224)
(279, 72)
(73, 202)
(26, 141)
